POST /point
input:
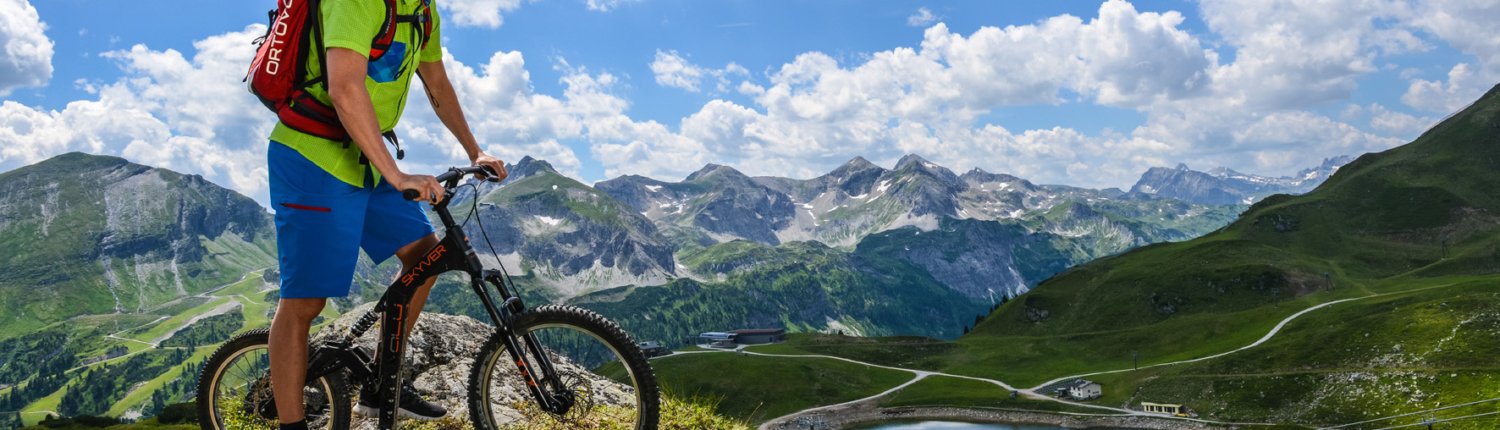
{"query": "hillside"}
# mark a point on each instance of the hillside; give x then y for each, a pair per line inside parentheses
(90, 234)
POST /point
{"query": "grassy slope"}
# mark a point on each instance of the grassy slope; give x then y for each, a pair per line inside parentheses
(950, 391)
(798, 286)
(1393, 354)
(780, 385)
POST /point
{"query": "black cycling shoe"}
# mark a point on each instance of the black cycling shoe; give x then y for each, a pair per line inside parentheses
(412, 404)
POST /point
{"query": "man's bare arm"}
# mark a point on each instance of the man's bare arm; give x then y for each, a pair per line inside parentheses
(445, 103)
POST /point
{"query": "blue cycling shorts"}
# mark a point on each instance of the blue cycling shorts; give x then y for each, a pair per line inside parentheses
(323, 222)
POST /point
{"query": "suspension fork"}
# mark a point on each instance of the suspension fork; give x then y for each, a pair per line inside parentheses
(504, 317)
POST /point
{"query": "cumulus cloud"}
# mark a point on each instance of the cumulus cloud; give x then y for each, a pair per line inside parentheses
(815, 112)
(1252, 113)
(1291, 54)
(1398, 124)
(1461, 88)
(478, 13)
(25, 50)
(672, 70)
(187, 114)
(605, 5)
(923, 17)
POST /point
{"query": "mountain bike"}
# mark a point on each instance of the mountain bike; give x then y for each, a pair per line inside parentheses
(564, 367)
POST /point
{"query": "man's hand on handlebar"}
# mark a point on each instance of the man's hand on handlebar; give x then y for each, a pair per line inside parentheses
(494, 164)
(427, 187)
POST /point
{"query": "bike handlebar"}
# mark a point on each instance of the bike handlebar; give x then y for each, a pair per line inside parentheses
(452, 175)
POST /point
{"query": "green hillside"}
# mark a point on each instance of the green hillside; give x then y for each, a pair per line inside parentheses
(801, 286)
(780, 385)
(89, 234)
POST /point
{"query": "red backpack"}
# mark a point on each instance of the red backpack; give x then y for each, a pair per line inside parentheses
(278, 74)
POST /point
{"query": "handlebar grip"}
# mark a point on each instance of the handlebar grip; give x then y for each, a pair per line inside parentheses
(412, 195)
(489, 174)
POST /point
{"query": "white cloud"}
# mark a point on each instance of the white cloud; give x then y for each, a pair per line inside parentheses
(816, 113)
(477, 13)
(1462, 87)
(1293, 54)
(672, 70)
(605, 5)
(923, 17)
(190, 115)
(507, 117)
(25, 50)
(1398, 124)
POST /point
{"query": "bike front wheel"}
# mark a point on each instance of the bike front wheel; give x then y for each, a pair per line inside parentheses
(602, 381)
(234, 390)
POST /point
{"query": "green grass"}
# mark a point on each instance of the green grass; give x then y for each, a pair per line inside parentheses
(779, 386)
(176, 321)
(143, 392)
(1354, 361)
(959, 392)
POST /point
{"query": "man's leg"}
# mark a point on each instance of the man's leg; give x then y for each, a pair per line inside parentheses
(288, 350)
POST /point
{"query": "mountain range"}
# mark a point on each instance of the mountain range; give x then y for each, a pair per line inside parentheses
(145, 236)
(1225, 186)
(113, 258)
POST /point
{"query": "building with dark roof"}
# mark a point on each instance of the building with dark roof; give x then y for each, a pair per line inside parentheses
(759, 336)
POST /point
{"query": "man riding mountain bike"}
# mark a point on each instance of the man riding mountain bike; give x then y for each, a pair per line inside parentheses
(333, 198)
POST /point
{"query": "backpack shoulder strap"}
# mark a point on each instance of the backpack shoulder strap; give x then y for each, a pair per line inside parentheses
(422, 18)
(387, 33)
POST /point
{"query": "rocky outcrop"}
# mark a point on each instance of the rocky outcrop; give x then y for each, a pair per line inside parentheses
(441, 354)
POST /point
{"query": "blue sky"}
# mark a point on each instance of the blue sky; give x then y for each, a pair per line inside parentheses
(1081, 93)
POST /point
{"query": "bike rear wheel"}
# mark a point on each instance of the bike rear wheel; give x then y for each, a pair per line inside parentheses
(604, 380)
(234, 390)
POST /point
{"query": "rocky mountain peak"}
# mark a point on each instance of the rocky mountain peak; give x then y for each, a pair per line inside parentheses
(910, 160)
(977, 175)
(528, 167)
(712, 171)
(858, 163)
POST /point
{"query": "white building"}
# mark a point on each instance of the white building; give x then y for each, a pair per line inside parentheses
(1084, 390)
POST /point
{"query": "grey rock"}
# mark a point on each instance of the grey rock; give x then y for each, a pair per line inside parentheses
(440, 355)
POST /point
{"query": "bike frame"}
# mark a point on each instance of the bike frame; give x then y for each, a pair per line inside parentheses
(452, 253)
